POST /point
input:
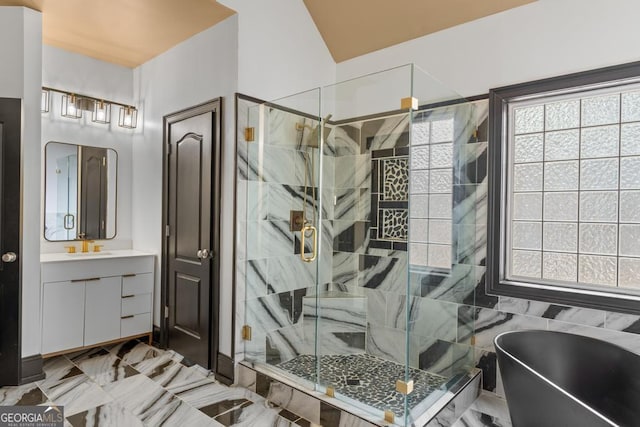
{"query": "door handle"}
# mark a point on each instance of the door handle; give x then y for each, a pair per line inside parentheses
(205, 254)
(9, 257)
(314, 248)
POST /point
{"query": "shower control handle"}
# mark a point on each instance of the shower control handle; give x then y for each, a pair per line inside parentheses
(314, 247)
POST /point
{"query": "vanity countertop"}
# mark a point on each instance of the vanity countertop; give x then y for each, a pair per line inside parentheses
(106, 254)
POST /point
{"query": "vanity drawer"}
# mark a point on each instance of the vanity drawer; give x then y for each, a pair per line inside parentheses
(136, 284)
(136, 324)
(136, 304)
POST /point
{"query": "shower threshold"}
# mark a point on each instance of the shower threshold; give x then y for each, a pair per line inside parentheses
(368, 380)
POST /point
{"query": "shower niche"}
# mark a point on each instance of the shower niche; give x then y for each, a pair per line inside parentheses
(359, 301)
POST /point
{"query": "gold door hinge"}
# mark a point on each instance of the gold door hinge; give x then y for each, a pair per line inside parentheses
(388, 416)
(246, 333)
(404, 387)
(409, 103)
(331, 392)
(249, 134)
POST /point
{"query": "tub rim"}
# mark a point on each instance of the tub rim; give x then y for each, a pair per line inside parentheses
(542, 377)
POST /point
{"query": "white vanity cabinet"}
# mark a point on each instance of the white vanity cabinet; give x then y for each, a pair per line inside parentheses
(90, 299)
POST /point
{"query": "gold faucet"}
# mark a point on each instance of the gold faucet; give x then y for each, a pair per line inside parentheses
(85, 242)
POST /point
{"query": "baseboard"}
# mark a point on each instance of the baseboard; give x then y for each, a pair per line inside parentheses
(225, 369)
(32, 369)
(156, 336)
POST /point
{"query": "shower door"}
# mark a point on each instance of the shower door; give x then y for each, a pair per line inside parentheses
(280, 174)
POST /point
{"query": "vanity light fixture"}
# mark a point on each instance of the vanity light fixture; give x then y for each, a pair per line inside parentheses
(44, 101)
(128, 117)
(73, 104)
(101, 112)
(71, 107)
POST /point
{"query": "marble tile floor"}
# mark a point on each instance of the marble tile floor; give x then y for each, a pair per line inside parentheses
(487, 410)
(133, 384)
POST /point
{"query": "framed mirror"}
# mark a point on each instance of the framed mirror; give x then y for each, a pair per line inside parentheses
(80, 192)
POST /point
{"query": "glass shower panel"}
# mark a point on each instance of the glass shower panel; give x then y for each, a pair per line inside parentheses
(447, 151)
(361, 325)
(283, 217)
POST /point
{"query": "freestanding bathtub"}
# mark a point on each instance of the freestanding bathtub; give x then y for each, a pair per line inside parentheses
(554, 379)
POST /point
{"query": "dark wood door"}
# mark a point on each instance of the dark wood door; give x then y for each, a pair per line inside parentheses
(10, 333)
(192, 214)
(93, 188)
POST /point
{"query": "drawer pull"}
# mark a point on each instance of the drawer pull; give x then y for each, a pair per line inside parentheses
(127, 317)
(129, 275)
(91, 279)
(127, 296)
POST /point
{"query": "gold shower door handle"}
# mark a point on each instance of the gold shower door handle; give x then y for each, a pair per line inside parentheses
(314, 251)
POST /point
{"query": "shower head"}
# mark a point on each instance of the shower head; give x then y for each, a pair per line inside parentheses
(313, 139)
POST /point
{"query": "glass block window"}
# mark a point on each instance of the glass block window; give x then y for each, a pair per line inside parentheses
(564, 190)
(575, 188)
(431, 191)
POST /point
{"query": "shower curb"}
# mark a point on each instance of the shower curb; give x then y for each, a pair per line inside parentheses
(326, 411)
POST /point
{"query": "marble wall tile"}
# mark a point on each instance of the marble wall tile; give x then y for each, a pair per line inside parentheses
(328, 171)
(389, 132)
(438, 356)
(295, 401)
(255, 278)
(271, 164)
(287, 273)
(348, 420)
(376, 307)
(387, 274)
(582, 316)
(241, 240)
(282, 199)
(346, 140)
(255, 350)
(353, 171)
(341, 323)
(245, 377)
(307, 166)
(479, 296)
(434, 318)
(269, 313)
(286, 343)
(387, 343)
(257, 201)
(269, 238)
(623, 339)
(281, 129)
(485, 324)
(347, 200)
(351, 236)
(623, 322)
(345, 268)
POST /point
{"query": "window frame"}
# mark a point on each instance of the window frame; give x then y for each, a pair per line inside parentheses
(499, 99)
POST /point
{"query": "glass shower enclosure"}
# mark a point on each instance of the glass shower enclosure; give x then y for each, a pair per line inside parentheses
(355, 240)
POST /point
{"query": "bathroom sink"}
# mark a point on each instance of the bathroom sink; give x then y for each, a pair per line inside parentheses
(88, 254)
